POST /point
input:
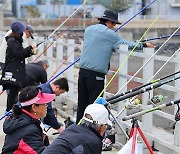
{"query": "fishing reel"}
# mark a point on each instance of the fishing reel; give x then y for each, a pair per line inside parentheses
(177, 116)
(155, 99)
(133, 102)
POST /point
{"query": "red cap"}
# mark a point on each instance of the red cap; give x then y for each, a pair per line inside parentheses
(41, 98)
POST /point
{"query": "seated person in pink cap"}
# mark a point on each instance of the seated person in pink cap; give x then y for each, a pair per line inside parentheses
(22, 128)
(85, 138)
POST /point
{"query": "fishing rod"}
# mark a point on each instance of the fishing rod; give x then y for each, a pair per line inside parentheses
(149, 82)
(42, 42)
(61, 64)
(151, 110)
(70, 26)
(156, 85)
(164, 64)
(142, 10)
(53, 41)
(127, 57)
(128, 20)
(64, 70)
(133, 48)
(142, 86)
(148, 60)
(65, 20)
(7, 113)
(68, 17)
(157, 38)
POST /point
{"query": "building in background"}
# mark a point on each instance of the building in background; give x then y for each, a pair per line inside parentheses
(168, 9)
(6, 8)
(51, 8)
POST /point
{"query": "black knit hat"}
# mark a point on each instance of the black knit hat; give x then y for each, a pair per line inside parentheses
(17, 27)
(110, 16)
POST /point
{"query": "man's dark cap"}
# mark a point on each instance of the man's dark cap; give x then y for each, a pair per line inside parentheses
(30, 29)
(110, 16)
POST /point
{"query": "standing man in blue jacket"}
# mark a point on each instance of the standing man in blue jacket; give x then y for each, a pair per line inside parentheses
(57, 87)
(100, 41)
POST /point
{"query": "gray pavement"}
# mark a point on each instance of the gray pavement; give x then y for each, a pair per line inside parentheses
(51, 137)
(2, 111)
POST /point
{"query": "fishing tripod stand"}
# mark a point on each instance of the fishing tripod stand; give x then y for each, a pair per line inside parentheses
(133, 132)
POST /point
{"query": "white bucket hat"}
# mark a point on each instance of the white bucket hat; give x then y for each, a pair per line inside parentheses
(98, 113)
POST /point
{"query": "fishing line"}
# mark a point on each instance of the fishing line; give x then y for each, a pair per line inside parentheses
(142, 10)
(61, 64)
(59, 36)
(122, 64)
(147, 61)
(157, 38)
(66, 19)
(130, 18)
(149, 82)
(64, 70)
(164, 65)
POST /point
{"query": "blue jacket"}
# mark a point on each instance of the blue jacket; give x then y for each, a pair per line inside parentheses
(76, 139)
(99, 44)
(50, 118)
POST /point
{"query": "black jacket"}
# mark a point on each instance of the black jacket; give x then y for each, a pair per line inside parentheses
(23, 135)
(14, 69)
(76, 139)
(35, 74)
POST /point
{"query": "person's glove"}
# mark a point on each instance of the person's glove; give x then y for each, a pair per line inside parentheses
(34, 51)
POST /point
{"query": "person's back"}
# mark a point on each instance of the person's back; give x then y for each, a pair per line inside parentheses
(85, 138)
(36, 73)
(99, 42)
(76, 139)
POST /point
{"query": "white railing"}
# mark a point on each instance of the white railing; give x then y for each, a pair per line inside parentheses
(161, 143)
(63, 48)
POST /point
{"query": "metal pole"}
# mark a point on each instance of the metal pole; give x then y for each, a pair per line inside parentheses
(84, 15)
(1, 18)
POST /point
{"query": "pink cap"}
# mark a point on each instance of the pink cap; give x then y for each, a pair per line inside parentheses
(41, 98)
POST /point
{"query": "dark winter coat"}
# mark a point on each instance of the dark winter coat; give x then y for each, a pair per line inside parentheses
(14, 69)
(35, 74)
(23, 135)
(76, 139)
